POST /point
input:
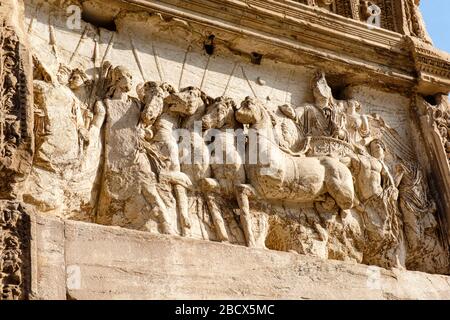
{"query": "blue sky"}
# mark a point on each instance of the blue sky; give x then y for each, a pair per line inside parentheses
(436, 14)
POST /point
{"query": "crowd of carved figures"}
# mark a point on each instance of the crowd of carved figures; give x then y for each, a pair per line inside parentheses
(360, 191)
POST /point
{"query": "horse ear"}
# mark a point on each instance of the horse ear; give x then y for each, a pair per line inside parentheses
(232, 104)
(207, 100)
(140, 91)
(168, 88)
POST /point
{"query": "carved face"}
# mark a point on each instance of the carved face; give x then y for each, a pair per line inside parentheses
(63, 75)
(77, 80)
(122, 79)
(353, 106)
(187, 101)
(321, 90)
(221, 112)
(149, 90)
(11, 260)
(377, 149)
(288, 111)
(250, 112)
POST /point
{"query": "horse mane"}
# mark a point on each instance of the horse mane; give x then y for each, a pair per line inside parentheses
(271, 114)
(207, 100)
(230, 104)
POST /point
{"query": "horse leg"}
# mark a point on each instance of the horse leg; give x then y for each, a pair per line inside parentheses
(339, 183)
(152, 196)
(216, 216)
(242, 195)
(211, 188)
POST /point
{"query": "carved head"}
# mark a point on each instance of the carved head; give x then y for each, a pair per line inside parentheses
(78, 79)
(11, 260)
(288, 111)
(353, 106)
(250, 112)
(63, 74)
(121, 80)
(151, 89)
(152, 95)
(321, 90)
(377, 149)
(219, 114)
(187, 101)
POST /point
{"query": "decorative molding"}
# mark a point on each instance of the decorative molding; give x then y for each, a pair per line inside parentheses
(16, 109)
(432, 65)
(295, 33)
(435, 131)
(15, 259)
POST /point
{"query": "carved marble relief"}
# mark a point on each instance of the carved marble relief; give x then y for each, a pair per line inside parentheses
(393, 14)
(15, 105)
(14, 251)
(362, 200)
(318, 175)
(415, 22)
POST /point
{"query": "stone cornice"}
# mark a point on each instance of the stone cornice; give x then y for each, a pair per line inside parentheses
(299, 34)
(433, 67)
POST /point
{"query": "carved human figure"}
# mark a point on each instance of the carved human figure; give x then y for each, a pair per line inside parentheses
(160, 124)
(422, 229)
(129, 196)
(416, 22)
(80, 85)
(227, 161)
(378, 194)
(332, 110)
(68, 146)
(190, 104)
(324, 117)
(436, 119)
(358, 126)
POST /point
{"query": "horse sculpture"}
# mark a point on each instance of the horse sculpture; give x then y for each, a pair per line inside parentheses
(278, 175)
(163, 110)
(226, 163)
(191, 104)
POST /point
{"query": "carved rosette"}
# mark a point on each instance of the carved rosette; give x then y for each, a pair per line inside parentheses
(14, 251)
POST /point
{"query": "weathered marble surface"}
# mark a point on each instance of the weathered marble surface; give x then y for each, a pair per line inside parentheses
(97, 121)
(115, 263)
(349, 161)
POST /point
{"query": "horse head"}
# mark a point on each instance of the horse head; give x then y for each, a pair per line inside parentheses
(152, 95)
(220, 114)
(255, 114)
(188, 101)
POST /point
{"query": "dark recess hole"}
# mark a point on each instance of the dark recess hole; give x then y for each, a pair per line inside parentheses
(431, 100)
(338, 85)
(209, 45)
(256, 58)
(338, 92)
(107, 24)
